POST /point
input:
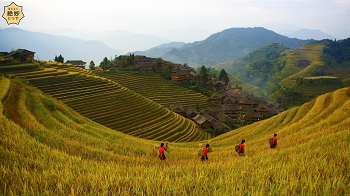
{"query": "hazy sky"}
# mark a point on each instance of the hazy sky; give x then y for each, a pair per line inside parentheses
(150, 16)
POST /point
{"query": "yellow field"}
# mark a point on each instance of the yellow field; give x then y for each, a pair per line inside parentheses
(311, 52)
(47, 148)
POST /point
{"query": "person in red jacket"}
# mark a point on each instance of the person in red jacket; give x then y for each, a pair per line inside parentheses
(274, 141)
(161, 152)
(205, 152)
(241, 145)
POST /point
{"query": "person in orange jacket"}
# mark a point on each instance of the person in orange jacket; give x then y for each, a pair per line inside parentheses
(274, 141)
(161, 152)
(241, 145)
(205, 152)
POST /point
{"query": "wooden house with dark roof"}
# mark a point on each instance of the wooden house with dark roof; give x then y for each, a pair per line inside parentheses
(230, 100)
(178, 67)
(21, 55)
(202, 121)
(145, 67)
(216, 99)
(209, 117)
(179, 75)
(192, 75)
(215, 110)
(225, 119)
(252, 116)
(217, 125)
(178, 108)
(3, 54)
(231, 109)
(191, 112)
(144, 63)
(77, 63)
(246, 103)
(263, 110)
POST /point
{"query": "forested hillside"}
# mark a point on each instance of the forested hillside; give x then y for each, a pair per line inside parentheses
(294, 77)
(227, 45)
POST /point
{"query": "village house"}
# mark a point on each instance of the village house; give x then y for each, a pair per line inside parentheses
(216, 99)
(231, 109)
(144, 63)
(252, 116)
(202, 121)
(191, 112)
(225, 119)
(262, 110)
(77, 63)
(179, 75)
(178, 108)
(21, 55)
(215, 110)
(303, 63)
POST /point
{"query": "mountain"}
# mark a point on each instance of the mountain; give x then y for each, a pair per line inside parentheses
(255, 67)
(160, 50)
(227, 45)
(310, 34)
(296, 76)
(125, 41)
(46, 46)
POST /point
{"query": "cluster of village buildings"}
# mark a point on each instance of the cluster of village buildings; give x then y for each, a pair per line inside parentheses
(230, 108)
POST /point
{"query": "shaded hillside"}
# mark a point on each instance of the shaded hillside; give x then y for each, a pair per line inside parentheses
(256, 67)
(227, 45)
(108, 103)
(55, 151)
(46, 46)
(293, 77)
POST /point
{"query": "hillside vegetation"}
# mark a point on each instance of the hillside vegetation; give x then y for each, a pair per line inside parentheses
(47, 148)
(225, 46)
(109, 103)
(293, 77)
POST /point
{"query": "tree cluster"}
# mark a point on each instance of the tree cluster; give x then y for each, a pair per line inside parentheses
(59, 59)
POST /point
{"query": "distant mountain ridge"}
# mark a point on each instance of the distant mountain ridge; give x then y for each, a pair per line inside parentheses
(46, 46)
(226, 45)
(160, 50)
(310, 34)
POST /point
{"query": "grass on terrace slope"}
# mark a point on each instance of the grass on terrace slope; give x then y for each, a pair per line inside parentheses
(48, 149)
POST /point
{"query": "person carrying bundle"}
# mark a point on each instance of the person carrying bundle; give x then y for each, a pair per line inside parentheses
(161, 151)
(273, 141)
(205, 150)
(240, 148)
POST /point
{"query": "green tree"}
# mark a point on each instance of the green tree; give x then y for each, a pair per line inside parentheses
(203, 75)
(92, 65)
(224, 77)
(59, 59)
(104, 63)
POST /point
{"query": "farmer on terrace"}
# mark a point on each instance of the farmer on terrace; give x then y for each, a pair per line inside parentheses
(241, 151)
(161, 152)
(273, 142)
(205, 152)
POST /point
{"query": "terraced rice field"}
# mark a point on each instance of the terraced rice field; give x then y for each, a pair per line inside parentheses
(111, 104)
(158, 89)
